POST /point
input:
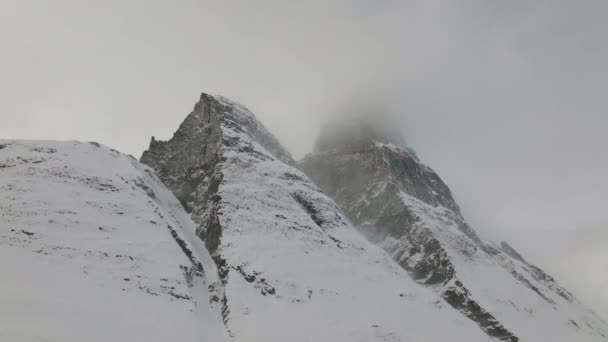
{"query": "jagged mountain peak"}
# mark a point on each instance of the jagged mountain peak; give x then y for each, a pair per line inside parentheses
(213, 111)
(381, 159)
(242, 120)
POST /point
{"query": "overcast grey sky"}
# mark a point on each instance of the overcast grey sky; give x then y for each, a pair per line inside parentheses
(507, 100)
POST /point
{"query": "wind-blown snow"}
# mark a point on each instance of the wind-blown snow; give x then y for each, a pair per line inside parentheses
(87, 250)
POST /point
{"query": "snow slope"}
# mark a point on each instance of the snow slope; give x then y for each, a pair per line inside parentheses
(88, 252)
(403, 206)
(292, 268)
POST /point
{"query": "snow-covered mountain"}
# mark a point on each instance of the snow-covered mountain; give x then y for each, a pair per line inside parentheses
(292, 268)
(218, 236)
(95, 248)
(403, 206)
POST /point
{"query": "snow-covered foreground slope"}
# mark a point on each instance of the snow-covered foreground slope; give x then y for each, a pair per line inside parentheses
(88, 254)
(292, 268)
(403, 206)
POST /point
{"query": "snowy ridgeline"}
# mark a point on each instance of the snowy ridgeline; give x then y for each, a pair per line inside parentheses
(88, 254)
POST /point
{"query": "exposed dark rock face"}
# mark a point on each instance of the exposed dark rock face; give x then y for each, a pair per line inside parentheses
(186, 165)
(405, 207)
(460, 298)
(189, 164)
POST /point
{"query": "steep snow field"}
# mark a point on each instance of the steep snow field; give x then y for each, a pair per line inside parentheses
(87, 251)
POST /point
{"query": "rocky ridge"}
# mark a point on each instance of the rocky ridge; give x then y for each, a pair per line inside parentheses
(403, 206)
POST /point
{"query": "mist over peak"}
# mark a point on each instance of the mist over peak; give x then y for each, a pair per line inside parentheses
(355, 132)
(361, 118)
